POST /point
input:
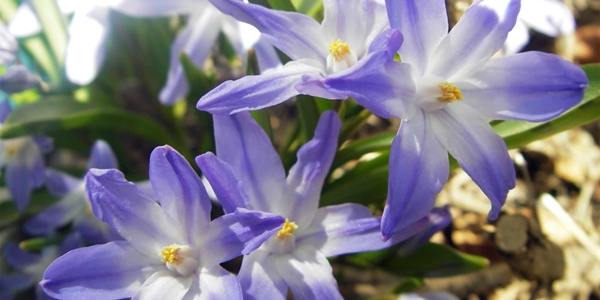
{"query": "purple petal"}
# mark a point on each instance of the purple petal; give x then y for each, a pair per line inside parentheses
(18, 181)
(19, 259)
(111, 271)
(259, 91)
(67, 209)
(342, 229)
(306, 177)
(195, 40)
(72, 241)
(216, 283)
(418, 172)
(131, 213)
(295, 34)
(308, 274)
(266, 55)
(59, 183)
(354, 22)
(17, 79)
(531, 86)
(235, 234)
(5, 109)
(179, 189)
(44, 143)
(479, 34)
(85, 51)
(260, 279)
(102, 156)
(164, 285)
(439, 219)
(12, 283)
(424, 23)
(153, 8)
(478, 150)
(222, 178)
(242, 143)
(94, 231)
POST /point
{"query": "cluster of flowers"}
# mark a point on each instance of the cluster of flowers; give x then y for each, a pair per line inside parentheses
(397, 59)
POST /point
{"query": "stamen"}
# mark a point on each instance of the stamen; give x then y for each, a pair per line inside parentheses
(337, 49)
(169, 254)
(287, 229)
(450, 93)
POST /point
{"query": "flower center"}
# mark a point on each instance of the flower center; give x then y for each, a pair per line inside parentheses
(287, 229)
(180, 259)
(450, 93)
(340, 57)
(14, 146)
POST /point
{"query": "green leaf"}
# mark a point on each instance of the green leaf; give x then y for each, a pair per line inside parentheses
(58, 114)
(361, 147)
(369, 188)
(39, 201)
(431, 260)
(54, 26)
(308, 112)
(284, 5)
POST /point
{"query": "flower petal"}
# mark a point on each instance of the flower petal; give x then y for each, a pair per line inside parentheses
(8, 46)
(216, 283)
(179, 189)
(85, 52)
(354, 22)
(266, 55)
(259, 277)
(18, 179)
(306, 177)
(17, 78)
(102, 156)
(242, 144)
(235, 234)
(24, 22)
(516, 40)
(439, 218)
(478, 150)
(195, 40)
(342, 229)
(227, 187)
(424, 23)
(111, 271)
(531, 86)
(479, 34)
(258, 91)
(59, 214)
(164, 285)
(297, 35)
(418, 171)
(18, 258)
(59, 183)
(131, 213)
(550, 17)
(308, 274)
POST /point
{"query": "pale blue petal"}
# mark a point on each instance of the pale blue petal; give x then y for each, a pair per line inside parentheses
(308, 274)
(242, 143)
(18, 179)
(67, 209)
(5, 109)
(195, 40)
(17, 78)
(236, 234)
(179, 189)
(478, 150)
(418, 172)
(12, 283)
(59, 183)
(130, 212)
(102, 156)
(355, 22)
(266, 55)
(227, 187)
(439, 218)
(18, 258)
(259, 277)
(342, 229)
(424, 23)
(306, 177)
(216, 283)
(164, 285)
(153, 8)
(111, 271)
(297, 35)
(479, 34)
(258, 91)
(531, 86)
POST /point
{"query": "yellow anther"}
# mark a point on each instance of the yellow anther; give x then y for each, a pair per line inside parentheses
(450, 92)
(287, 229)
(169, 254)
(338, 49)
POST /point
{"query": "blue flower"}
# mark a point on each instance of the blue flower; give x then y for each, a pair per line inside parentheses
(317, 50)
(445, 89)
(74, 206)
(172, 250)
(23, 162)
(197, 38)
(248, 173)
